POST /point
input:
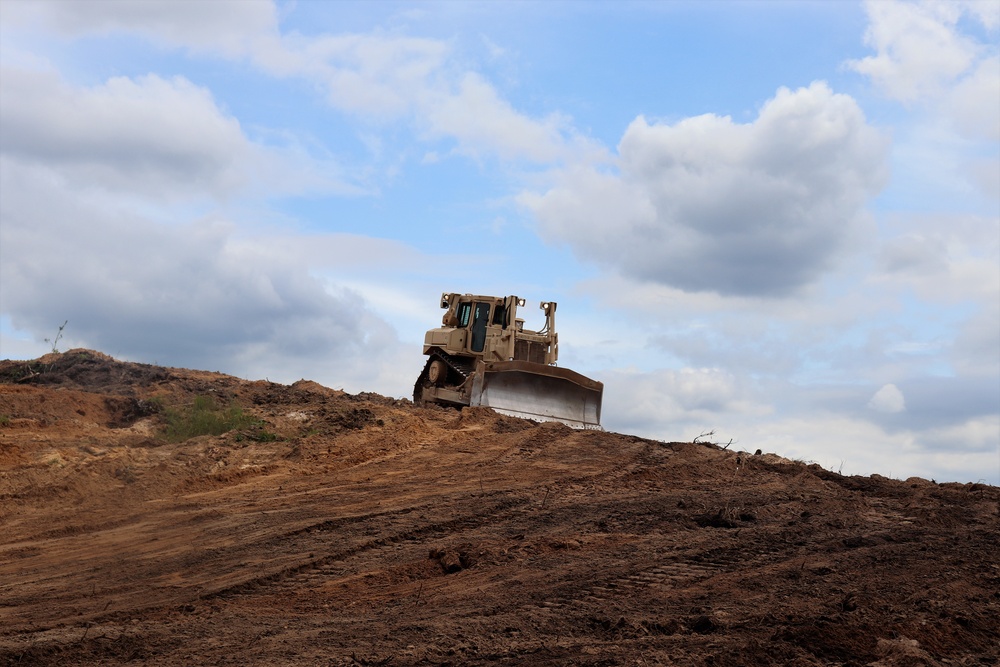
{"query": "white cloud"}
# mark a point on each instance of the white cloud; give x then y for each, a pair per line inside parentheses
(90, 176)
(483, 123)
(197, 294)
(929, 59)
(945, 258)
(230, 27)
(976, 351)
(87, 170)
(915, 253)
(856, 447)
(382, 78)
(974, 102)
(888, 399)
(686, 400)
(951, 261)
(149, 136)
(377, 77)
(707, 204)
(978, 434)
(919, 52)
(679, 405)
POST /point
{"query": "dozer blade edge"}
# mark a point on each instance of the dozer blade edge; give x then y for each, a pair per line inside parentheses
(538, 391)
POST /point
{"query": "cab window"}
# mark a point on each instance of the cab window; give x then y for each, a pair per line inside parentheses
(479, 326)
(464, 311)
(498, 316)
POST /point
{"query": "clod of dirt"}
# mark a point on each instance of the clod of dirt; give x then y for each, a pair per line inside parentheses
(452, 561)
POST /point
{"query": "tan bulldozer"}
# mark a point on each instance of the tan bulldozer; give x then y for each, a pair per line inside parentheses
(483, 355)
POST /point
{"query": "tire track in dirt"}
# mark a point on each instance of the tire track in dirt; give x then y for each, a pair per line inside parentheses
(671, 575)
(681, 571)
(506, 512)
(292, 577)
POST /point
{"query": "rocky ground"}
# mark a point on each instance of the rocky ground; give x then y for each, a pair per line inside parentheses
(325, 528)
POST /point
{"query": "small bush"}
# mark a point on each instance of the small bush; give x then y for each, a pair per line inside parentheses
(203, 417)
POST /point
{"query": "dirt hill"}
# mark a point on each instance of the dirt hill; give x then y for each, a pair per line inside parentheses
(322, 528)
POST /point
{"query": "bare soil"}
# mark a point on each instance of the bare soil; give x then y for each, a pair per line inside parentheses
(361, 530)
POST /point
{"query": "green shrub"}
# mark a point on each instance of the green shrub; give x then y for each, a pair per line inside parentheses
(204, 417)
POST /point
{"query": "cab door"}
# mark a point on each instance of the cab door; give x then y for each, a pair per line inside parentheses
(480, 320)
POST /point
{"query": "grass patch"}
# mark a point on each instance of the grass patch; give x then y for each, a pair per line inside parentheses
(204, 417)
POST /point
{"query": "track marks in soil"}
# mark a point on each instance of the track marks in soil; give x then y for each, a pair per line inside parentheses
(333, 564)
(647, 581)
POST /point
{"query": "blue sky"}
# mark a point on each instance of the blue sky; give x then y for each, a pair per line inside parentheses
(778, 221)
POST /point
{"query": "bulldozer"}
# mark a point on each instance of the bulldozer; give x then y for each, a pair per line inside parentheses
(483, 356)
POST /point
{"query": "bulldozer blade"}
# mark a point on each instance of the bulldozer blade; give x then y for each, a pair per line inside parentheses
(540, 392)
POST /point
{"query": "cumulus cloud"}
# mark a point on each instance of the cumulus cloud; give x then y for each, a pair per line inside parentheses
(377, 77)
(231, 27)
(196, 294)
(150, 134)
(948, 259)
(857, 447)
(483, 122)
(915, 254)
(829, 426)
(156, 137)
(87, 193)
(952, 261)
(105, 193)
(976, 351)
(888, 399)
(974, 102)
(918, 50)
(706, 204)
(385, 78)
(979, 434)
(681, 400)
(923, 56)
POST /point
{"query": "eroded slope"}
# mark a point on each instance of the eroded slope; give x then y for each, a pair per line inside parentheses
(361, 530)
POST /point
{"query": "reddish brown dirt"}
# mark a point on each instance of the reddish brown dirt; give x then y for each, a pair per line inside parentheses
(372, 532)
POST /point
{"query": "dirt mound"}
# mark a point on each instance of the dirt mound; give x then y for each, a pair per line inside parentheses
(83, 369)
(172, 517)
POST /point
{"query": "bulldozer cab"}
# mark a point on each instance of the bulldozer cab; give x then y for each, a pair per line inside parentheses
(482, 326)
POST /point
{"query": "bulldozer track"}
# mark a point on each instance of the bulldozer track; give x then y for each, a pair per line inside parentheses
(464, 367)
(459, 369)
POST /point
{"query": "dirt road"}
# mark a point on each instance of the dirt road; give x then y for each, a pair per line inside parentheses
(333, 529)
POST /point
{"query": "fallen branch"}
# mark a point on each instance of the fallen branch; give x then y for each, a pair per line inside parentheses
(708, 434)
